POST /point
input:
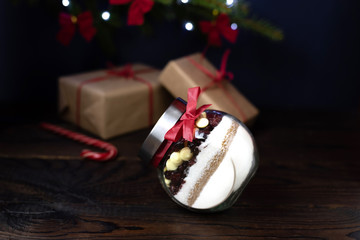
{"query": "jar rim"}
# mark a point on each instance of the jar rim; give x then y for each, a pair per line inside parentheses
(156, 136)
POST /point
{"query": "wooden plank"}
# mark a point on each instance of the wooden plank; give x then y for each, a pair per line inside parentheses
(307, 187)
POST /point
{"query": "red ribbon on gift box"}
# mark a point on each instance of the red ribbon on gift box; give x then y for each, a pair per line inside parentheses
(218, 78)
(184, 128)
(126, 72)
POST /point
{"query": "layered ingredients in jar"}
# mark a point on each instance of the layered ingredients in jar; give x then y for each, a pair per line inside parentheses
(203, 173)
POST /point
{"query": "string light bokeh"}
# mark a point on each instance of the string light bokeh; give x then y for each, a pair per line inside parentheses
(188, 26)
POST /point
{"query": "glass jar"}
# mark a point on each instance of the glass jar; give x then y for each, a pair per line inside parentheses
(209, 173)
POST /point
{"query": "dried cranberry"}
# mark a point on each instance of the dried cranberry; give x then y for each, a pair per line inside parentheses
(177, 177)
(215, 119)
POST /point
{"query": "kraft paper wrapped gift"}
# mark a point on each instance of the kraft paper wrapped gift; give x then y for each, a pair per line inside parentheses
(185, 72)
(108, 103)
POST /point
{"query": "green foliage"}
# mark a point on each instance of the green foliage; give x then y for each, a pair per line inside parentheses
(211, 5)
(194, 10)
(262, 27)
(165, 2)
(105, 39)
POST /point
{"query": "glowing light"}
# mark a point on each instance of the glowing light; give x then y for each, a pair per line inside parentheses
(65, 3)
(229, 2)
(233, 26)
(189, 26)
(184, 1)
(105, 15)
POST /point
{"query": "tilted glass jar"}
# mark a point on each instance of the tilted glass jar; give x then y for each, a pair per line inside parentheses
(208, 174)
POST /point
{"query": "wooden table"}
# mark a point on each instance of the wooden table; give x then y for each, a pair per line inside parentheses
(307, 186)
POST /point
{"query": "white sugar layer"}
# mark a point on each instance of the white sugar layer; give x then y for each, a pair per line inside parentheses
(208, 150)
(231, 173)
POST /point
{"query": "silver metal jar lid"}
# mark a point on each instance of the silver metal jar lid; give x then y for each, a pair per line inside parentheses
(165, 122)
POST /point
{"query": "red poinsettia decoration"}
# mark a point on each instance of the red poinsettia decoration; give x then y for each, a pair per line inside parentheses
(68, 25)
(136, 11)
(221, 27)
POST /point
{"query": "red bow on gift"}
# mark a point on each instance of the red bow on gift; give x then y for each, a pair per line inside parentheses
(126, 72)
(136, 11)
(68, 27)
(185, 126)
(217, 29)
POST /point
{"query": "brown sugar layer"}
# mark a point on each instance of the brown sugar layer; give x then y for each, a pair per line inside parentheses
(213, 164)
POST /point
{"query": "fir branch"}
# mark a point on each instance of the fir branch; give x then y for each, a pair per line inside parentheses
(75, 9)
(212, 5)
(193, 13)
(105, 39)
(262, 27)
(165, 2)
(240, 10)
(194, 10)
(115, 20)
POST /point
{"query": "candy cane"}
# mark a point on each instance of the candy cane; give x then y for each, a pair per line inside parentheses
(111, 150)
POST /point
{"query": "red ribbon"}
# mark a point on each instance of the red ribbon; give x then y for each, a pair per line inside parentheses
(111, 150)
(217, 79)
(184, 128)
(126, 72)
(221, 27)
(68, 27)
(136, 11)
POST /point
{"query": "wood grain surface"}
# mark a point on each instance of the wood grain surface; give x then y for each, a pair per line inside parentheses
(307, 186)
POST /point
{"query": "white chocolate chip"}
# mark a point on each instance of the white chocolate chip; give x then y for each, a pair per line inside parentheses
(167, 181)
(185, 154)
(175, 158)
(165, 169)
(202, 122)
(171, 166)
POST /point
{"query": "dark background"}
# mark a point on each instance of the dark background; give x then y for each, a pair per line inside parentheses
(314, 67)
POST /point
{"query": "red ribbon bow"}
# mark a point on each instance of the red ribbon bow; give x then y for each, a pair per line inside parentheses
(136, 11)
(185, 126)
(217, 29)
(68, 27)
(126, 72)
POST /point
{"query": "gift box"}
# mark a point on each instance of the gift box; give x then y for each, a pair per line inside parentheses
(111, 102)
(195, 70)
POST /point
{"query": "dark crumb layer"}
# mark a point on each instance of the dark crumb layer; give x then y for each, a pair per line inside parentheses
(177, 177)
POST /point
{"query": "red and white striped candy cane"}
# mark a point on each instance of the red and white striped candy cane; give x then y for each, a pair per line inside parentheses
(111, 150)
